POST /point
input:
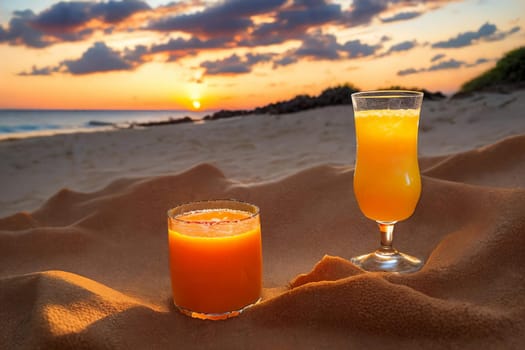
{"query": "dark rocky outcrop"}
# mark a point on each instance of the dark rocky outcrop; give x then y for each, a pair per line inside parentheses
(165, 122)
(338, 95)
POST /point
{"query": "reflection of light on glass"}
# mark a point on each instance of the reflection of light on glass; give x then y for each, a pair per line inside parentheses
(408, 181)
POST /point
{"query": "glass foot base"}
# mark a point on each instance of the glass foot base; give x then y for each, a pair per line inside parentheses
(213, 316)
(388, 261)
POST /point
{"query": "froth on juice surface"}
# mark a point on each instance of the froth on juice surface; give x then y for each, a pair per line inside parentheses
(215, 260)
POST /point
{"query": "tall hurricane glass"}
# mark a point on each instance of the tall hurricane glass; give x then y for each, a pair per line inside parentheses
(387, 184)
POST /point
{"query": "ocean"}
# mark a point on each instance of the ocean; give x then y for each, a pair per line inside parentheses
(26, 123)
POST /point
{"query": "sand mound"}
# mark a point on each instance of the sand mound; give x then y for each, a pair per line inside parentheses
(501, 164)
(90, 270)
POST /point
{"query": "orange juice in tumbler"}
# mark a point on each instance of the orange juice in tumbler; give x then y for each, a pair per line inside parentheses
(215, 261)
(387, 183)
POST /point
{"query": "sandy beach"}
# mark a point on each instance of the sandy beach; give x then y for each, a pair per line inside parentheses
(250, 149)
(116, 113)
(83, 241)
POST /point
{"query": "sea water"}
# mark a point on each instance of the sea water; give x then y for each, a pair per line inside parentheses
(25, 123)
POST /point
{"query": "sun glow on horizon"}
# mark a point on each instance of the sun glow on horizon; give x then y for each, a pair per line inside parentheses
(196, 104)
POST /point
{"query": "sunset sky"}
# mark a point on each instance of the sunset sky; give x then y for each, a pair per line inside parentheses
(154, 54)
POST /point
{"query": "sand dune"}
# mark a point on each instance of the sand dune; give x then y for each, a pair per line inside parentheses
(503, 158)
(90, 270)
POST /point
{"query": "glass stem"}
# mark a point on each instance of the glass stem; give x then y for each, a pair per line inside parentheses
(387, 236)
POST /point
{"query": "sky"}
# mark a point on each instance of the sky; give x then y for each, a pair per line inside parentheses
(240, 54)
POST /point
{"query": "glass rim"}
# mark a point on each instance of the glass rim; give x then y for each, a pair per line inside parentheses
(388, 93)
(252, 215)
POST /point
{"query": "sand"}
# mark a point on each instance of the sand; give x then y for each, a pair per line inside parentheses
(89, 267)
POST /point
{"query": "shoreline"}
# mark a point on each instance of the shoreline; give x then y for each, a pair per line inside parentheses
(277, 108)
(17, 124)
(334, 96)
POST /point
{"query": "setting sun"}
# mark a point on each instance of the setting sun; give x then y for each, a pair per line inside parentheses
(196, 104)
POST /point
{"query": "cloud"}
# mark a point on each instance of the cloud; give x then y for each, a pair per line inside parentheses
(482, 60)
(466, 39)
(319, 46)
(40, 71)
(231, 20)
(399, 47)
(65, 21)
(478, 61)
(101, 58)
(364, 10)
(288, 19)
(182, 46)
(408, 71)
(514, 30)
(487, 32)
(98, 58)
(450, 64)
(226, 24)
(117, 11)
(65, 16)
(314, 46)
(226, 18)
(502, 35)
(437, 57)
(294, 21)
(257, 58)
(443, 65)
(136, 55)
(284, 61)
(299, 18)
(234, 64)
(401, 16)
(180, 6)
(19, 32)
(355, 48)
(403, 46)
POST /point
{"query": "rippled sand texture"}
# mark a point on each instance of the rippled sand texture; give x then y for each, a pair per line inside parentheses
(90, 270)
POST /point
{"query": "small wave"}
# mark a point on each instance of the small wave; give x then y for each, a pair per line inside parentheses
(96, 123)
(9, 129)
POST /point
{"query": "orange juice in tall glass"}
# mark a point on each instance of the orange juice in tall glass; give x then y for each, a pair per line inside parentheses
(215, 257)
(387, 184)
